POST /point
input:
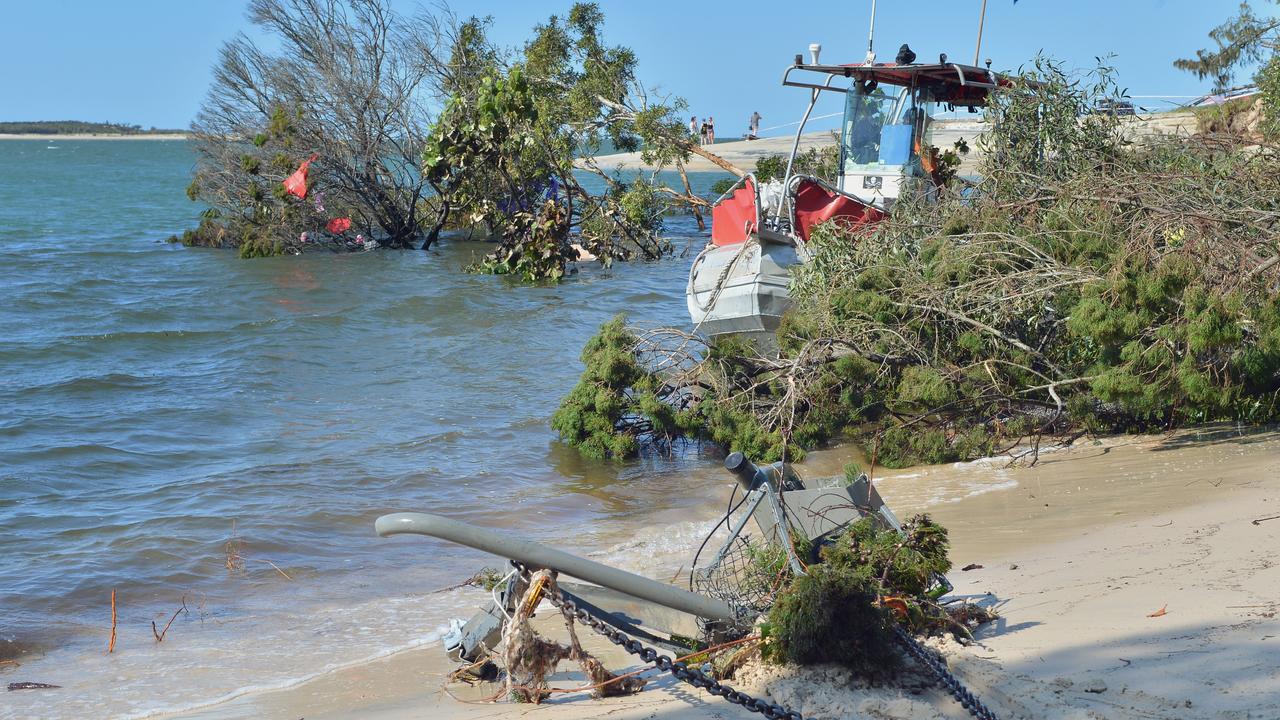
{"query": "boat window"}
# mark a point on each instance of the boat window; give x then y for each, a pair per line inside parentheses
(919, 118)
(870, 137)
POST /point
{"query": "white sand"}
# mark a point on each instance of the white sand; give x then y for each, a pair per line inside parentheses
(1078, 551)
(746, 153)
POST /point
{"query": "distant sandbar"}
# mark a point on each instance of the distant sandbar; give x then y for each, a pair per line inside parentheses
(92, 136)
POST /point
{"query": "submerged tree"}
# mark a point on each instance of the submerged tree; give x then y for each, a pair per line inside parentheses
(349, 85)
(507, 152)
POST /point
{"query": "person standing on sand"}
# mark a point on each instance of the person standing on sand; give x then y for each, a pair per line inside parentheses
(693, 125)
(702, 133)
(754, 125)
(711, 131)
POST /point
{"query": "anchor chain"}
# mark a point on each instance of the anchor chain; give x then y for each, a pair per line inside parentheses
(948, 680)
(679, 670)
(773, 711)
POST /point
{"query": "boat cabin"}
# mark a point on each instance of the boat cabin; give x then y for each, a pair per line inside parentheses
(888, 119)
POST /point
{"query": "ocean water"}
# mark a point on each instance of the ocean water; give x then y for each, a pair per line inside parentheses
(167, 412)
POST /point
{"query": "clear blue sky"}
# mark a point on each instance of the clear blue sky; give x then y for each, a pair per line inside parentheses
(148, 61)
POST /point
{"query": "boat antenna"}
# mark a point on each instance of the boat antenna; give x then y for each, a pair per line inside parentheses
(871, 36)
(982, 19)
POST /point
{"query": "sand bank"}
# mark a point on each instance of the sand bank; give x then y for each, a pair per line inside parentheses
(53, 139)
(746, 153)
(1078, 553)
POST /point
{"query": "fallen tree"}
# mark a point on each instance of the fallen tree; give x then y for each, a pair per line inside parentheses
(1084, 284)
(508, 153)
(350, 86)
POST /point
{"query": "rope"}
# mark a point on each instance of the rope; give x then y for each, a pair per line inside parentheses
(724, 275)
(797, 122)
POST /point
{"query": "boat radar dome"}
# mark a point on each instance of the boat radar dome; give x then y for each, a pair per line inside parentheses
(815, 49)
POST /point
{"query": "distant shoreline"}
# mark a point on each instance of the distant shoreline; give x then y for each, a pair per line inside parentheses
(92, 136)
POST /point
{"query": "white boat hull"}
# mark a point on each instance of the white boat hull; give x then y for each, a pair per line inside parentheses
(741, 289)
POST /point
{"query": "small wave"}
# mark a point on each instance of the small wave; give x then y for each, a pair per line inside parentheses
(427, 640)
(94, 383)
(972, 491)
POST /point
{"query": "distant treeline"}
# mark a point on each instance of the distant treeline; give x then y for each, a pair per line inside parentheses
(76, 127)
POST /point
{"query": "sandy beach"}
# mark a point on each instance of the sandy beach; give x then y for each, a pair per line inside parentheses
(1129, 575)
(746, 153)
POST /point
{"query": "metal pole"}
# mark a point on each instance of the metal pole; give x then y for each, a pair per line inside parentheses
(795, 147)
(500, 542)
(982, 19)
(871, 36)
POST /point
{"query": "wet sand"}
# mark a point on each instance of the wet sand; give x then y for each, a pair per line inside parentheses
(1078, 552)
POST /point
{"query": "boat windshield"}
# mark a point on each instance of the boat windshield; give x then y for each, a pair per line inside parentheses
(875, 133)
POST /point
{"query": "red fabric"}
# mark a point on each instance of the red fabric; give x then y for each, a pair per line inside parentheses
(339, 225)
(296, 184)
(733, 218)
(816, 204)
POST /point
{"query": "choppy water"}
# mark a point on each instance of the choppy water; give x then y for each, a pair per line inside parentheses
(158, 403)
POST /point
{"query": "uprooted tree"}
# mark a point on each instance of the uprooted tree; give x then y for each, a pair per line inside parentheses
(509, 152)
(418, 124)
(1085, 283)
(351, 83)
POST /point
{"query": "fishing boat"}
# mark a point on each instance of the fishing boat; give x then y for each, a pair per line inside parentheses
(738, 285)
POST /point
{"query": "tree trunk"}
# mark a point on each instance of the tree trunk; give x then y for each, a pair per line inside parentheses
(697, 214)
(437, 226)
(719, 161)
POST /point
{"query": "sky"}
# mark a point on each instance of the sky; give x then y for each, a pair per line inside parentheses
(148, 61)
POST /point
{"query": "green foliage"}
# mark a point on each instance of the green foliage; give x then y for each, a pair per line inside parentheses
(597, 416)
(635, 208)
(76, 127)
(1268, 80)
(512, 133)
(487, 579)
(1086, 283)
(838, 612)
(900, 564)
(723, 185)
(541, 254)
(209, 233)
(257, 247)
(1242, 40)
(830, 616)
(821, 162)
(618, 405)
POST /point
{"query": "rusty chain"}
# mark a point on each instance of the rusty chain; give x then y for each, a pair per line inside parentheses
(695, 677)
